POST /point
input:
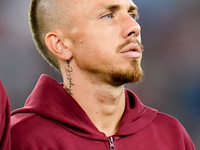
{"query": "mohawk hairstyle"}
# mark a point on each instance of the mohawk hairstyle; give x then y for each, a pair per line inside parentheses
(40, 18)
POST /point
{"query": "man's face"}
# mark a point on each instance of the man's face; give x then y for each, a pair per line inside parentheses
(106, 40)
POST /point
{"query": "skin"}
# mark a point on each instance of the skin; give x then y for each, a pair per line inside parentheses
(88, 54)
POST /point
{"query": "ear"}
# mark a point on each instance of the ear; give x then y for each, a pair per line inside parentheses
(57, 46)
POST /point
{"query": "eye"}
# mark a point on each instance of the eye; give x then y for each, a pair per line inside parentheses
(134, 16)
(107, 16)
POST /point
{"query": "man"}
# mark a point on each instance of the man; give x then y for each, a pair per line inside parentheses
(97, 48)
(4, 119)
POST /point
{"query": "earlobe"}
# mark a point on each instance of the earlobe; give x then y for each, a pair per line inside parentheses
(57, 47)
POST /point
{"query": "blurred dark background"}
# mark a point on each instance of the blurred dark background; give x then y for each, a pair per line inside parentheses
(171, 61)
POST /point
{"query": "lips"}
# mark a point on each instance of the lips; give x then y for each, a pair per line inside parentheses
(132, 51)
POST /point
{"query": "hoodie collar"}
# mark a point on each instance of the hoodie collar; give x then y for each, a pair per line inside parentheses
(50, 100)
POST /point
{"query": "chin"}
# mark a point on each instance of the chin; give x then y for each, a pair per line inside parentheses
(131, 75)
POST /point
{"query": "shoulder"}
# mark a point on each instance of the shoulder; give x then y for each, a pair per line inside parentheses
(171, 128)
(4, 118)
(24, 130)
(32, 131)
(4, 105)
(3, 97)
(25, 125)
(20, 118)
(165, 118)
(20, 126)
(169, 123)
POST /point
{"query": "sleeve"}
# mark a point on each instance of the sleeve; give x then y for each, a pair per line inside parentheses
(4, 119)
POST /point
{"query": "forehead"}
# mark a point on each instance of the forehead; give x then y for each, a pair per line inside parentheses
(101, 4)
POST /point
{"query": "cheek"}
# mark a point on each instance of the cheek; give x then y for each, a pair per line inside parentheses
(89, 52)
(93, 46)
(92, 56)
(88, 46)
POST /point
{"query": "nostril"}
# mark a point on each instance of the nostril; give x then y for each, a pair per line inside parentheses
(131, 33)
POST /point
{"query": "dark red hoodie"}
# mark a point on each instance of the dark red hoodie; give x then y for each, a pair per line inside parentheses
(4, 119)
(52, 120)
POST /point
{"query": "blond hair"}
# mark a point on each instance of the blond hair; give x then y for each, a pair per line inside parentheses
(42, 17)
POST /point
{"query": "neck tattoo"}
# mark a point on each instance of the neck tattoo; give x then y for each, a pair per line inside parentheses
(68, 71)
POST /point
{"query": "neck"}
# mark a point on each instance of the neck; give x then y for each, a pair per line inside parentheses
(104, 104)
(105, 108)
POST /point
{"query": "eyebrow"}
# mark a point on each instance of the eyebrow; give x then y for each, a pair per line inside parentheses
(117, 7)
(132, 7)
(113, 7)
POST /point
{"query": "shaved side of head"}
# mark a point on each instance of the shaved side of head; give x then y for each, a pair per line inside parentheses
(46, 16)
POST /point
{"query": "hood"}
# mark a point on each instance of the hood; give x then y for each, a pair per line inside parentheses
(50, 100)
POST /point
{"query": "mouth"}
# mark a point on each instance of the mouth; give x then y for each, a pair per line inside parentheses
(132, 51)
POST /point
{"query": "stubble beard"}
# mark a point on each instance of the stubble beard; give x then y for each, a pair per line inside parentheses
(116, 76)
(131, 75)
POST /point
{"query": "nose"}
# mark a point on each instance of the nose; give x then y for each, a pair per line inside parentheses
(130, 27)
